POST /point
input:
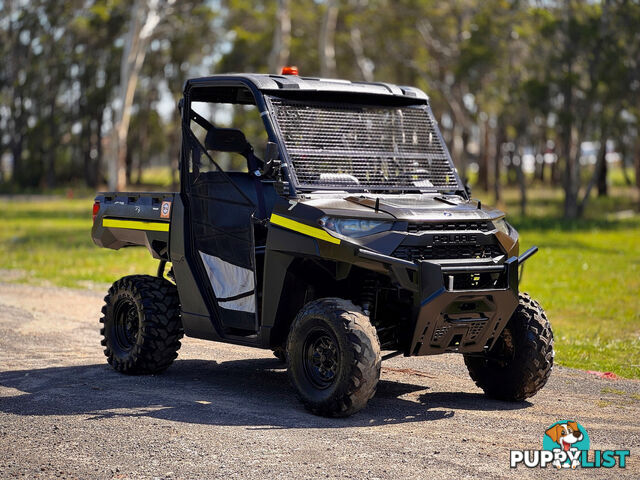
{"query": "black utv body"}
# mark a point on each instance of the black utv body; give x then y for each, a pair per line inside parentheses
(353, 235)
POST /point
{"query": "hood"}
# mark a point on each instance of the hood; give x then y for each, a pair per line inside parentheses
(410, 208)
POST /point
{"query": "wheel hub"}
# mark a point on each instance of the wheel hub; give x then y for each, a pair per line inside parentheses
(126, 324)
(321, 359)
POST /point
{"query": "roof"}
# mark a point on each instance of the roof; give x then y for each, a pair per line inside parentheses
(266, 82)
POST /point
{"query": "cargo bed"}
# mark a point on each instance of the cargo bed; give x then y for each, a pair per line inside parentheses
(125, 219)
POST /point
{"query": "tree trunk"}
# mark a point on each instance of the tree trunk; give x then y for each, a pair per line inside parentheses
(128, 167)
(145, 16)
(365, 65)
(17, 145)
(464, 158)
(570, 180)
(85, 150)
(624, 155)
(17, 136)
(100, 178)
(571, 140)
(174, 157)
(93, 149)
(326, 48)
(543, 164)
(497, 162)
(522, 185)
(50, 153)
(595, 178)
(483, 171)
(603, 168)
(279, 55)
(637, 165)
(139, 170)
(554, 178)
(571, 153)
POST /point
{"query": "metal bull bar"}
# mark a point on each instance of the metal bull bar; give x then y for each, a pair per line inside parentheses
(450, 320)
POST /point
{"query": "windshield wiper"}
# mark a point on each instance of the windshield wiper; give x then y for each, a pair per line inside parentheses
(457, 193)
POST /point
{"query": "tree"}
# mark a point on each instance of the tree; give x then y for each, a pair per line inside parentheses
(145, 17)
(280, 49)
(326, 43)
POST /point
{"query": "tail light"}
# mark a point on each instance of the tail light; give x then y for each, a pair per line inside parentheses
(96, 208)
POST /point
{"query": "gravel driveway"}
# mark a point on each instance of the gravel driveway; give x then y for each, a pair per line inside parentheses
(229, 412)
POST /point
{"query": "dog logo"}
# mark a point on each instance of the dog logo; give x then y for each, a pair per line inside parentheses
(165, 210)
(569, 437)
(565, 444)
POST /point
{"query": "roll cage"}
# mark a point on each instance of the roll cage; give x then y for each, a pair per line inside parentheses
(264, 91)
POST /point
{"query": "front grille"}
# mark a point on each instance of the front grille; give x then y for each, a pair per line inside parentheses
(474, 329)
(449, 226)
(440, 332)
(446, 252)
(374, 148)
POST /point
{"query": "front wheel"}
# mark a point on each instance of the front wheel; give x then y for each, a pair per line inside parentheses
(334, 357)
(520, 362)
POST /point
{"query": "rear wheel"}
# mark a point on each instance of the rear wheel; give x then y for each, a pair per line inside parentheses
(334, 357)
(520, 362)
(141, 324)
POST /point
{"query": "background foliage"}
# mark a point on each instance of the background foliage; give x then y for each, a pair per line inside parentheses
(539, 102)
(506, 78)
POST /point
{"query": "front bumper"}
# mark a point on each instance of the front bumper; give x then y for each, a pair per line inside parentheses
(448, 319)
(465, 321)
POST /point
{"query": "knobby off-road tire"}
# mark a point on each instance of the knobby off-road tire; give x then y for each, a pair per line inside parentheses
(333, 356)
(280, 353)
(520, 363)
(141, 325)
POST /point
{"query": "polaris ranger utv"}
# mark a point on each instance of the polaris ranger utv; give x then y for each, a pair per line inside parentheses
(352, 235)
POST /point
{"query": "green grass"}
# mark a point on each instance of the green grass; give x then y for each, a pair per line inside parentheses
(586, 275)
(49, 242)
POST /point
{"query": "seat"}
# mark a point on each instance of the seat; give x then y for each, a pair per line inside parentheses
(246, 184)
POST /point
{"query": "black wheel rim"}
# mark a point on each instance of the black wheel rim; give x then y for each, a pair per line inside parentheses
(126, 324)
(321, 358)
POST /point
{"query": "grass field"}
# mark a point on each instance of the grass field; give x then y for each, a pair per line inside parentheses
(587, 274)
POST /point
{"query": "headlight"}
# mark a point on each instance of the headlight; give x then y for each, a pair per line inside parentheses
(502, 226)
(354, 227)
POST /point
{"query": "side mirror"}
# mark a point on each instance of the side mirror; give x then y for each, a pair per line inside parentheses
(272, 152)
(226, 140)
(271, 159)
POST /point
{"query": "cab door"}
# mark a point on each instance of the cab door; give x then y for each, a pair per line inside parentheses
(219, 229)
(222, 233)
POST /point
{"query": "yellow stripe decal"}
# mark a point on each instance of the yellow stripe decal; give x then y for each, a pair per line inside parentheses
(302, 228)
(136, 224)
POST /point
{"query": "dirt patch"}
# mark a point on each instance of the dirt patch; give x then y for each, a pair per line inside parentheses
(228, 411)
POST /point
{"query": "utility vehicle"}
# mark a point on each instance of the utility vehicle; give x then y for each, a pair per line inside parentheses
(348, 234)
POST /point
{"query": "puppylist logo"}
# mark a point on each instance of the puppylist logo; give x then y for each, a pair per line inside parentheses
(565, 444)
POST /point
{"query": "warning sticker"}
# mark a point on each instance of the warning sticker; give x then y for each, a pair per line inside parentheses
(165, 210)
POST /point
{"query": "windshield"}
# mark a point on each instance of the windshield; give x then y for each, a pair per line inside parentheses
(358, 147)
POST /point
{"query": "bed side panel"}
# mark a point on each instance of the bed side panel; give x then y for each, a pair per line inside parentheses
(134, 219)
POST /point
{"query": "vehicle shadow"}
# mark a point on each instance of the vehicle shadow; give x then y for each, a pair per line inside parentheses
(254, 393)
